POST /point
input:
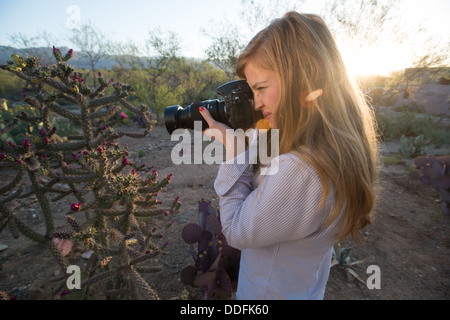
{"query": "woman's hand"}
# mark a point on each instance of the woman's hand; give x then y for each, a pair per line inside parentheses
(218, 132)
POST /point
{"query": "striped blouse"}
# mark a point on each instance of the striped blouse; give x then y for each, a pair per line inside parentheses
(285, 249)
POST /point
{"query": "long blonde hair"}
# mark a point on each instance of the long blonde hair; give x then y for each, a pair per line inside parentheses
(335, 133)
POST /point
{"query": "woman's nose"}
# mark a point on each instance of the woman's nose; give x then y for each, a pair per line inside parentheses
(257, 104)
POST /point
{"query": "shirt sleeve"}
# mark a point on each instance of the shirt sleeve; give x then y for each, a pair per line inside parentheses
(284, 207)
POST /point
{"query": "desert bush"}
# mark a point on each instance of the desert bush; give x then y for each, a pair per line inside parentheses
(411, 124)
(117, 196)
(414, 146)
(10, 87)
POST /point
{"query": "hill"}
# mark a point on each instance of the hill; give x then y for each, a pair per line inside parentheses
(45, 53)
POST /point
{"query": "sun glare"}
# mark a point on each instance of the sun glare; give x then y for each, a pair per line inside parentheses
(381, 60)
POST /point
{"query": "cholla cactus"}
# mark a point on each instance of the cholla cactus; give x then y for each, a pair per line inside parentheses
(216, 263)
(116, 195)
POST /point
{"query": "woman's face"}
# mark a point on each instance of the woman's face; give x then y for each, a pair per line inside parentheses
(266, 89)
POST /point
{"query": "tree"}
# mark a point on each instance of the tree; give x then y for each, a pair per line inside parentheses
(223, 52)
(229, 40)
(92, 45)
(30, 45)
(199, 80)
(159, 84)
(368, 25)
(126, 57)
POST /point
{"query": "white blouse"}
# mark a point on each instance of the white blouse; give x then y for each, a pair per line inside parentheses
(285, 248)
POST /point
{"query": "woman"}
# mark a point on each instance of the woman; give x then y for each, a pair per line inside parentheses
(324, 190)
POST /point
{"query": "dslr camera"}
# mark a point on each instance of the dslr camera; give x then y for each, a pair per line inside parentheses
(236, 110)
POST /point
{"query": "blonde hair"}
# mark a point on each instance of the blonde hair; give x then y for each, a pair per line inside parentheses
(335, 133)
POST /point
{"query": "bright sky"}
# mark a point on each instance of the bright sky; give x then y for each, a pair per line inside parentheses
(132, 19)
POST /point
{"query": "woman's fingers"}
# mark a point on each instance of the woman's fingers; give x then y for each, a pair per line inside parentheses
(207, 116)
(216, 130)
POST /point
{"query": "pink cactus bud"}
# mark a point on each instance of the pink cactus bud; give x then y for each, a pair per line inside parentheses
(46, 140)
(100, 150)
(123, 115)
(2, 156)
(57, 54)
(42, 132)
(11, 144)
(65, 292)
(26, 143)
(125, 161)
(75, 206)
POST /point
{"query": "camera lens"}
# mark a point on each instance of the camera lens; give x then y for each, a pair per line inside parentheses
(176, 117)
(171, 118)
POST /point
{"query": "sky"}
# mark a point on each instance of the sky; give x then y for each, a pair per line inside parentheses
(131, 20)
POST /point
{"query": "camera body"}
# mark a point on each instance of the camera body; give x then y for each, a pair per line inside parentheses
(236, 110)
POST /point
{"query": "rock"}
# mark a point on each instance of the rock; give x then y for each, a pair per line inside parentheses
(434, 98)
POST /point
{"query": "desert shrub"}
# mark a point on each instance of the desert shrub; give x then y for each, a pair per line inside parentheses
(118, 197)
(392, 160)
(414, 146)
(411, 124)
(411, 108)
(10, 87)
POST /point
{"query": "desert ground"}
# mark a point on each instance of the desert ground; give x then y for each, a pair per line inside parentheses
(408, 239)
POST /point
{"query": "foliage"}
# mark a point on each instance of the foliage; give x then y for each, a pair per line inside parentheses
(342, 260)
(414, 146)
(411, 124)
(224, 52)
(392, 160)
(435, 171)
(10, 87)
(117, 196)
(216, 263)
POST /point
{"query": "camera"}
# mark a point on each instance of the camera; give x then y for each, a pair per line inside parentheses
(236, 110)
